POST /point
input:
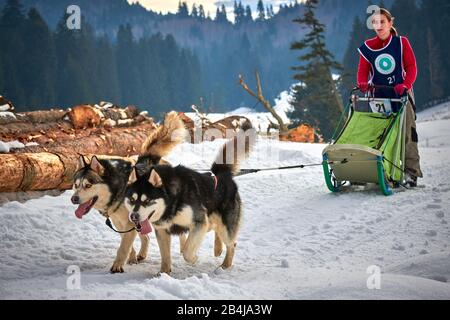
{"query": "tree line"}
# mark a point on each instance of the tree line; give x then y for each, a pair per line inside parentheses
(41, 68)
(206, 73)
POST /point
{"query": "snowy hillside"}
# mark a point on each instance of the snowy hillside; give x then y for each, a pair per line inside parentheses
(298, 241)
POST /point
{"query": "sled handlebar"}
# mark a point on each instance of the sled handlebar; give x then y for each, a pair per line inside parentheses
(355, 97)
(375, 86)
(377, 99)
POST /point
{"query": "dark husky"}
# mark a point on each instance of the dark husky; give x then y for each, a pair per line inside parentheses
(177, 199)
(101, 184)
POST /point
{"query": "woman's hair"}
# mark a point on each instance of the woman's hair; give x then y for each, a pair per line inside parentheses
(390, 17)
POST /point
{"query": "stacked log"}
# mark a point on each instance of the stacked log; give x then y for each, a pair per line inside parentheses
(38, 171)
(115, 141)
(61, 137)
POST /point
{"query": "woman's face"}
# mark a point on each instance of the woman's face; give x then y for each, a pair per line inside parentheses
(382, 26)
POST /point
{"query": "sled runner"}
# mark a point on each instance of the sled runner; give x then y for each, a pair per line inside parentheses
(370, 147)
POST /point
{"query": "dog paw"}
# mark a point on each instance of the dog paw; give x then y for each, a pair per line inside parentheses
(166, 272)
(190, 259)
(133, 260)
(141, 258)
(117, 267)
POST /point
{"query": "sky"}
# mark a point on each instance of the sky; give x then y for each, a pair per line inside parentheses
(165, 6)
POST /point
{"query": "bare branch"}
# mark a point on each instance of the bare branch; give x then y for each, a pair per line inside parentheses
(260, 97)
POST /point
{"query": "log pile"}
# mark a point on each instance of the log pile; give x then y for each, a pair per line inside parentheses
(59, 125)
(38, 171)
(58, 137)
(53, 140)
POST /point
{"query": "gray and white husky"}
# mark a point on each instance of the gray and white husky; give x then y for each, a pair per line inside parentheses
(176, 200)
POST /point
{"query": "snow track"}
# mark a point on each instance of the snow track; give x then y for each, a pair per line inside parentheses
(298, 241)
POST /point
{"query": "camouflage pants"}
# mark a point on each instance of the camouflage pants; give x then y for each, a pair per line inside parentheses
(412, 158)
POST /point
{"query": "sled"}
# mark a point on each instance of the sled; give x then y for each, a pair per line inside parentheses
(370, 147)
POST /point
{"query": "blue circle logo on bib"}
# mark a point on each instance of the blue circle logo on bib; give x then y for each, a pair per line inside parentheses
(385, 64)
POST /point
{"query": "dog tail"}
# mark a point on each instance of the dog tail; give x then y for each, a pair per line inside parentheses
(166, 137)
(235, 150)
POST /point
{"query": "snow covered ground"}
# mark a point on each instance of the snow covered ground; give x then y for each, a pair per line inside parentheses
(298, 241)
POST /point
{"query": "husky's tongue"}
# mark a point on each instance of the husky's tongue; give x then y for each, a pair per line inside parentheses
(83, 209)
(146, 227)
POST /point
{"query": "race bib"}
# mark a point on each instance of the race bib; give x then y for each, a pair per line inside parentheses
(381, 106)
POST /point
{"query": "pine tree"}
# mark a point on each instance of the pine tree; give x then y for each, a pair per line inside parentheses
(39, 63)
(107, 87)
(69, 83)
(75, 54)
(268, 14)
(87, 60)
(358, 35)
(260, 9)
(194, 11)
(156, 80)
(248, 14)
(217, 18)
(1, 71)
(201, 12)
(317, 100)
(12, 22)
(188, 80)
(435, 14)
(12, 14)
(434, 67)
(183, 10)
(405, 12)
(127, 68)
(170, 60)
(239, 13)
(221, 14)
